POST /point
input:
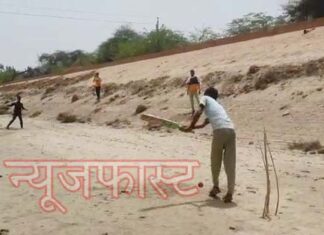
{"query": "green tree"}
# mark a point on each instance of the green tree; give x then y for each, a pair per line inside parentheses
(163, 39)
(203, 35)
(59, 60)
(304, 9)
(131, 49)
(128, 43)
(109, 50)
(7, 73)
(251, 22)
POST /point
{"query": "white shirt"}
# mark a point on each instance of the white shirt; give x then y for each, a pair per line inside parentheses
(216, 114)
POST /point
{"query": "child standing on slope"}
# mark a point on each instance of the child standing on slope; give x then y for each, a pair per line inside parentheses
(18, 107)
(193, 89)
(97, 85)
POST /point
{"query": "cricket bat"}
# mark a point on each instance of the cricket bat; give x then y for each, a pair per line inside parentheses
(155, 120)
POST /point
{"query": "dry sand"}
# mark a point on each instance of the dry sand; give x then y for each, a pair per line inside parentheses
(301, 175)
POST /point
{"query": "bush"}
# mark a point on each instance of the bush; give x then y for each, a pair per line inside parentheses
(305, 146)
(140, 109)
(66, 118)
(7, 74)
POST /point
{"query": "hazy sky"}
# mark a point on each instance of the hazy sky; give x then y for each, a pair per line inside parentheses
(24, 37)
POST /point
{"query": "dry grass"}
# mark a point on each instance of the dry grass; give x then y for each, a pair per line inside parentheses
(176, 82)
(253, 69)
(48, 91)
(305, 146)
(118, 123)
(212, 78)
(262, 81)
(4, 109)
(35, 114)
(109, 88)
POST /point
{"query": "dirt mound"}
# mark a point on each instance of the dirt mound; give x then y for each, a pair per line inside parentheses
(119, 123)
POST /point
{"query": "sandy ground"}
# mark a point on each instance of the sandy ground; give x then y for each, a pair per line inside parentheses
(301, 209)
(290, 110)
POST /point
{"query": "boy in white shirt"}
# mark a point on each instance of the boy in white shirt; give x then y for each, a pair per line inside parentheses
(224, 141)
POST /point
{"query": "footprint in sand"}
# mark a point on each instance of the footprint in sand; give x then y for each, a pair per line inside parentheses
(251, 189)
(313, 189)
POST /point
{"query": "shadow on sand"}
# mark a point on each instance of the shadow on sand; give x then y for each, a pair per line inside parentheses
(216, 203)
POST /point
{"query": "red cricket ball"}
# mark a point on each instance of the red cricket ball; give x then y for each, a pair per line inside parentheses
(200, 185)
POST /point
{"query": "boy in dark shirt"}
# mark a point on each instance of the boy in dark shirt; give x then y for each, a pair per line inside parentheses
(193, 89)
(18, 107)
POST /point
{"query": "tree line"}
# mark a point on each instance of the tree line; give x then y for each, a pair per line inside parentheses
(126, 42)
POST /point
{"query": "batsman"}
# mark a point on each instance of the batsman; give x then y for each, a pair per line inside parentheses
(223, 144)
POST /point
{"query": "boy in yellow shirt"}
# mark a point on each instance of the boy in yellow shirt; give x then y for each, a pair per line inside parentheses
(97, 85)
(193, 89)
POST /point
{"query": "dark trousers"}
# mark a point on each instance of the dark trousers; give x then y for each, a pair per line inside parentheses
(14, 118)
(98, 89)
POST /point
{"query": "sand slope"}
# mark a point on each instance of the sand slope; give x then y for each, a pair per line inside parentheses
(291, 108)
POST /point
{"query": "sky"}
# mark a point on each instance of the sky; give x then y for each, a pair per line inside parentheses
(29, 28)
